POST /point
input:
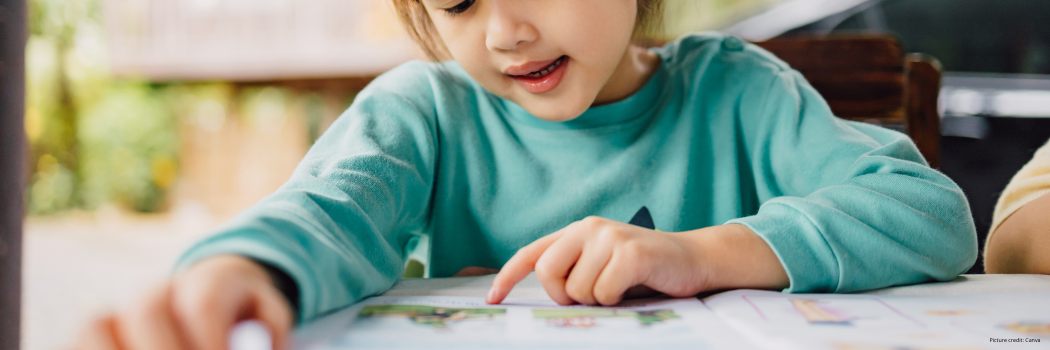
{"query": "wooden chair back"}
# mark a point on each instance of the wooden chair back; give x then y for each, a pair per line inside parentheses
(869, 78)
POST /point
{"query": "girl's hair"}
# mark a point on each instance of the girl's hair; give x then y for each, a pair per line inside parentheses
(417, 23)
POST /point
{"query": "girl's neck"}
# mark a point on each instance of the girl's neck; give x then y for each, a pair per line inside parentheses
(636, 67)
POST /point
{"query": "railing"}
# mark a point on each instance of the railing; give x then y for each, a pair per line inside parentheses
(251, 40)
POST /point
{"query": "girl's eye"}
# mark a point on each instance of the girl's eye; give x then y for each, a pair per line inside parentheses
(460, 8)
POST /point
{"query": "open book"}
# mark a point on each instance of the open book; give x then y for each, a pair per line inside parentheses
(741, 319)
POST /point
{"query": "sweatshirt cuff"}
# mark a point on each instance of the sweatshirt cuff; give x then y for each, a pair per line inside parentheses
(284, 284)
(801, 249)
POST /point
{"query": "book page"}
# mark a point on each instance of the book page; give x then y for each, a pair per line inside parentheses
(469, 323)
(871, 322)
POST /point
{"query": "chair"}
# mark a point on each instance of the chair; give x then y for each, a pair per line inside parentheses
(869, 78)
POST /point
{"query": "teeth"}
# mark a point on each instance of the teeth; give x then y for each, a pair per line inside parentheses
(543, 72)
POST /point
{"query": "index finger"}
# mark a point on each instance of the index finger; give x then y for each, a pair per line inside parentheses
(518, 267)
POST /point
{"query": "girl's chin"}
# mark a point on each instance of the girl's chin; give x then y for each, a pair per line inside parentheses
(557, 119)
(555, 112)
(555, 109)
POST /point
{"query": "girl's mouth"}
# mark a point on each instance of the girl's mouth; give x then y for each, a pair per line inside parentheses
(544, 79)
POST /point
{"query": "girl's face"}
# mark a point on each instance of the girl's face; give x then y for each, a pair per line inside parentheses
(552, 57)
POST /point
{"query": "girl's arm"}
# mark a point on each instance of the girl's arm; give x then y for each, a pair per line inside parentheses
(848, 206)
(1020, 233)
(1021, 243)
(340, 226)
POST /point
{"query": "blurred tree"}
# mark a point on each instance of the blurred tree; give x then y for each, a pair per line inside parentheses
(93, 139)
(129, 149)
(50, 113)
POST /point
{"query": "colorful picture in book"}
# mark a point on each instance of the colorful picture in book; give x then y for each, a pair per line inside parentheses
(587, 318)
(815, 314)
(1038, 329)
(612, 325)
(390, 326)
(866, 313)
(431, 316)
(950, 312)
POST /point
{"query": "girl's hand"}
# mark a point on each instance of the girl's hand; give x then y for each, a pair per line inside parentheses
(596, 261)
(196, 310)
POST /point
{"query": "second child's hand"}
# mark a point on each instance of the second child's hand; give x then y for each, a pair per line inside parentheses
(598, 261)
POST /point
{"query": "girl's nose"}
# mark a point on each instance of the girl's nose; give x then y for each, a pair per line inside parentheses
(507, 27)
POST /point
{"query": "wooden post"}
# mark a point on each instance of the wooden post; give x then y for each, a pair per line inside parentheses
(921, 92)
(13, 35)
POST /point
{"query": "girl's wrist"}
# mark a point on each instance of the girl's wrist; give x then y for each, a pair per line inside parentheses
(733, 257)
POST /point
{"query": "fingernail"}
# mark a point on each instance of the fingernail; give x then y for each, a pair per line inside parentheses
(492, 295)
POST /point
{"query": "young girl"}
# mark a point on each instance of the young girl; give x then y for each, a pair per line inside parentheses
(528, 151)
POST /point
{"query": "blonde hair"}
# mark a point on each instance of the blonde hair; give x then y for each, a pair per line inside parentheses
(413, 16)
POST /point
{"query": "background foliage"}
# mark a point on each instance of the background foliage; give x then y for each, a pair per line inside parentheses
(94, 139)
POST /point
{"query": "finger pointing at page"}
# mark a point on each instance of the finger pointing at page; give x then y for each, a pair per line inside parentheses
(518, 267)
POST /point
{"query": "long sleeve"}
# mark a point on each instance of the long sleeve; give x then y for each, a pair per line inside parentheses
(340, 226)
(1032, 182)
(848, 206)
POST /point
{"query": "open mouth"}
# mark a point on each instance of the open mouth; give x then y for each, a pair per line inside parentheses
(544, 79)
(545, 70)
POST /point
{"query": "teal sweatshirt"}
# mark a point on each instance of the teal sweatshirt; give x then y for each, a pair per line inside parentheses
(426, 160)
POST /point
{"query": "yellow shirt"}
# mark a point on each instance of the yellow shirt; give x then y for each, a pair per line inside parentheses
(1030, 183)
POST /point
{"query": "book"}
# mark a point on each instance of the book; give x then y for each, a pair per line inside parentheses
(740, 319)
